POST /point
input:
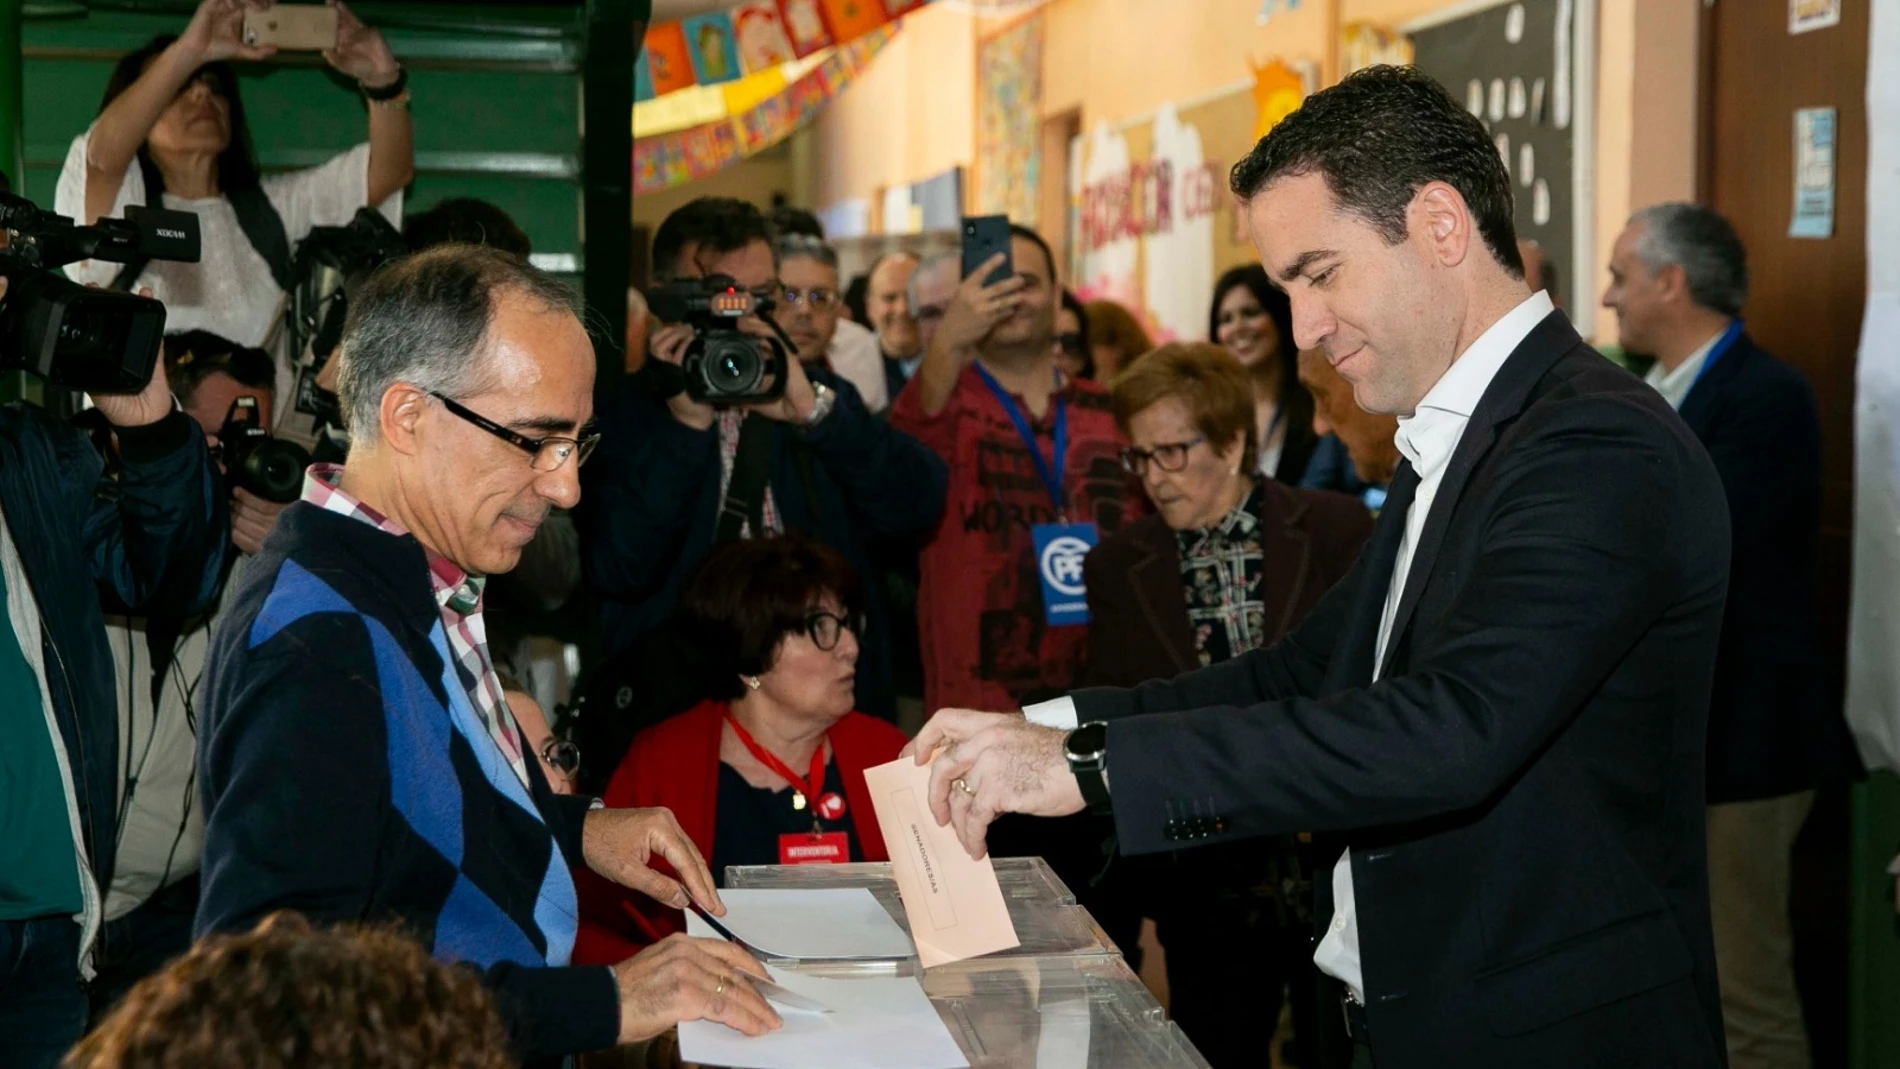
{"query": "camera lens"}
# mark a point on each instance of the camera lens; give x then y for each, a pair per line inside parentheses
(733, 365)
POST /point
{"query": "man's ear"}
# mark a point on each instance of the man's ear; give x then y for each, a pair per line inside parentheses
(1441, 213)
(401, 412)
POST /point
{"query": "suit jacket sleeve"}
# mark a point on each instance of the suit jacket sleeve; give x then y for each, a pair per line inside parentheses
(889, 479)
(1576, 560)
(1766, 446)
(294, 766)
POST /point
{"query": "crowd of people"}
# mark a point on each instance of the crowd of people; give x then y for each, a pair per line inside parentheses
(286, 796)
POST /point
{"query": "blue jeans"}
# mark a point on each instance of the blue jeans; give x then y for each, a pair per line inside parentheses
(42, 1008)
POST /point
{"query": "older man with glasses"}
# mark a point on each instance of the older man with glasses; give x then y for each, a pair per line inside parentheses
(359, 761)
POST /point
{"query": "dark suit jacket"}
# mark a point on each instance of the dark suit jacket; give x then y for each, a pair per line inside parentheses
(1138, 623)
(1523, 789)
(1771, 729)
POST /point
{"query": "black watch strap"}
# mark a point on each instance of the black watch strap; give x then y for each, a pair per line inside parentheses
(388, 92)
(1087, 752)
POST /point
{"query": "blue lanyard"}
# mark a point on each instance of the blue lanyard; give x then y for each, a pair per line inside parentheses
(1051, 477)
(1721, 346)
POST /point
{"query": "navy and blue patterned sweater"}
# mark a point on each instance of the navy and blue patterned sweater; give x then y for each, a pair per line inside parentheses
(345, 776)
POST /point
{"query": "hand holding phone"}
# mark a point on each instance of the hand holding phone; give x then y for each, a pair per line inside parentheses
(985, 236)
(297, 27)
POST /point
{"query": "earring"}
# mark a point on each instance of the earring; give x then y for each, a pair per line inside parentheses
(752, 681)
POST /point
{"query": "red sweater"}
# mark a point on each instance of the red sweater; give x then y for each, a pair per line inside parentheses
(675, 764)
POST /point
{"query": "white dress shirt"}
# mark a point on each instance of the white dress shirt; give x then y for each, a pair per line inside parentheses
(1675, 385)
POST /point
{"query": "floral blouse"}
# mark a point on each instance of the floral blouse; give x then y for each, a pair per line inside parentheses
(1220, 576)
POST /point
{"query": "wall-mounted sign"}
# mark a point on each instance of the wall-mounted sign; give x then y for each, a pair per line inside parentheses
(1813, 174)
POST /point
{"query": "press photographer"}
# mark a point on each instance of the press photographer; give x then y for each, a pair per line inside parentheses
(710, 456)
(72, 544)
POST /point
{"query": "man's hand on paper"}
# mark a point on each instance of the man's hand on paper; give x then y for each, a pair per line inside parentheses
(685, 979)
(991, 764)
(620, 845)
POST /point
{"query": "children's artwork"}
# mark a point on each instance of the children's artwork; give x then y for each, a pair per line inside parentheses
(642, 81)
(1805, 15)
(1009, 131)
(1278, 90)
(895, 8)
(669, 64)
(715, 53)
(853, 18)
(763, 42)
(805, 24)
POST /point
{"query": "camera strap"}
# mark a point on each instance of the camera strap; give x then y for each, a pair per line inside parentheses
(257, 217)
(745, 493)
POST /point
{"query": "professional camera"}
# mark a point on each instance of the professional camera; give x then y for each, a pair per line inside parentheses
(723, 365)
(98, 341)
(271, 468)
(331, 261)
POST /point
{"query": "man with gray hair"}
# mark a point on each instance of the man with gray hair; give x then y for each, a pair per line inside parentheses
(358, 760)
(1679, 278)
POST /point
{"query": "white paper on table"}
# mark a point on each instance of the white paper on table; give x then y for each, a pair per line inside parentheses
(874, 1023)
(831, 924)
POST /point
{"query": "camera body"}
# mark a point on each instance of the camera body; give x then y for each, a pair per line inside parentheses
(271, 468)
(723, 365)
(330, 262)
(97, 341)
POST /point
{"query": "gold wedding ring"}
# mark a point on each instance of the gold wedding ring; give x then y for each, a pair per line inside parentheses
(721, 989)
(961, 785)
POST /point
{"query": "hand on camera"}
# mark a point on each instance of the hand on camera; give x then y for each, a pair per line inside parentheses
(252, 519)
(795, 404)
(668, 345)
(685, 979)
(216, 32)
(147, 406)
(977, 308)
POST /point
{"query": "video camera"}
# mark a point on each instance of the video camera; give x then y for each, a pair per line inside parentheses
(271, 468)
(723, 365)
(97, 341)
(331, 261)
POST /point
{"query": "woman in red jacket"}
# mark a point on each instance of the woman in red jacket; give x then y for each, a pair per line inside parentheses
(769, 768)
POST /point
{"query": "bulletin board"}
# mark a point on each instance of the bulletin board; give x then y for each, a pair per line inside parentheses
(1516, 65)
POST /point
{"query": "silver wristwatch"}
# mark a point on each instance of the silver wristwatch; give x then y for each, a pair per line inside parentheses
(823, 399)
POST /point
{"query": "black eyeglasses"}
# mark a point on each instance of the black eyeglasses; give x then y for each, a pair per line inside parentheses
(545, 454)
(1072, 343)
(1169, 457)
(818, 300)
(561, 755)
(825, 628)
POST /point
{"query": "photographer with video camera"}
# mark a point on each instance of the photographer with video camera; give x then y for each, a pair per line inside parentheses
(71, 544)
(723, 435)
(226, 389)
(171, 132)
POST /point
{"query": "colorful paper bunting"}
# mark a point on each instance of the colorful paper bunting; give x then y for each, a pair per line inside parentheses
(669, 63)
(805, 22)
(854, 18)
(715, 53)
(760, 29)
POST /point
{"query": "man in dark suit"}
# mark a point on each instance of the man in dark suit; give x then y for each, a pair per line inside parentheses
(1500, 713)
(1679, 276)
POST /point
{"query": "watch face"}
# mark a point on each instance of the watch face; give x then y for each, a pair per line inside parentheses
(1088, 741)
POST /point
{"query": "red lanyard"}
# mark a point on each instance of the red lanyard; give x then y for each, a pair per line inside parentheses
(809, 789)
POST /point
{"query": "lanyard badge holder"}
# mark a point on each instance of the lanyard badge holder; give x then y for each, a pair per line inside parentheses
(1061, 546)
(818, 846)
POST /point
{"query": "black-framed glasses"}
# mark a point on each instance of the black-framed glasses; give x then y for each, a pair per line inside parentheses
(544, 454)
(818, 300)
(1170, 456)
(825, 628)
(1072, 343)
(561, 755)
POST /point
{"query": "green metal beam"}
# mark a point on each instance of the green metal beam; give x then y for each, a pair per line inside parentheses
(12, 91)
(607, 177)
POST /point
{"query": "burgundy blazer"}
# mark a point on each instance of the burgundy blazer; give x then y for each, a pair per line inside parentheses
(1138, 622)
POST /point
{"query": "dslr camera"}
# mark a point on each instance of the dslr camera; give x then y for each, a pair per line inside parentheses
(93, 340)
(722, 364)
(271, 468)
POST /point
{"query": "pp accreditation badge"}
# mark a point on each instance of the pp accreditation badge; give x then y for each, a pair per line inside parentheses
(1060, 550)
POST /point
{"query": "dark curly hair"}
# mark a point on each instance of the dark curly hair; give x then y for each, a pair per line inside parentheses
(747, 596)
(1377, 138)
(286, 995)
(711, 224)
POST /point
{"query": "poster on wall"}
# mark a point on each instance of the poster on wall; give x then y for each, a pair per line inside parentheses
(1813, 174)
(1511, 66)
(1009, 131)
(1806, 15)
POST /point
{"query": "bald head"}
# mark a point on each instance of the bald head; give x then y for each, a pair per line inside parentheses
(932, 285)
(887, 303)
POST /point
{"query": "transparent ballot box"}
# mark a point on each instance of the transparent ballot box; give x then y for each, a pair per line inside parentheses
(1047, 918)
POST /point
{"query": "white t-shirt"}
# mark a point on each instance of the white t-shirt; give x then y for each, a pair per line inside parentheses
(229, 291)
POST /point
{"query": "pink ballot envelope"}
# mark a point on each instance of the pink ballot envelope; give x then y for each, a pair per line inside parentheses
(954, 905)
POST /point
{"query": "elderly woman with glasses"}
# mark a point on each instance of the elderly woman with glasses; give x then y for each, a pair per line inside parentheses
(769, 767)
(1230, 562)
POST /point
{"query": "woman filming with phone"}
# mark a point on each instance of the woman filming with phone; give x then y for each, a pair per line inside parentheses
(171, 131)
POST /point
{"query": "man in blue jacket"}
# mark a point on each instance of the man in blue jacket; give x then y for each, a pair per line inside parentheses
(1678, 278)
(71, 540)
(358, 760)
(654, 496)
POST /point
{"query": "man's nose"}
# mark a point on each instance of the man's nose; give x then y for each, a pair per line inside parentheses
(1313, 322)
(562, 486)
